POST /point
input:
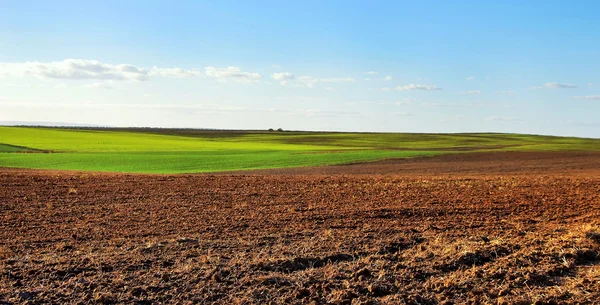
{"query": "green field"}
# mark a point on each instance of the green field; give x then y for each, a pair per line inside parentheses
(191, 151)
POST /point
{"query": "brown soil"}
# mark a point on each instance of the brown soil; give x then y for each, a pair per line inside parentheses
(488, 234)
(480, 164)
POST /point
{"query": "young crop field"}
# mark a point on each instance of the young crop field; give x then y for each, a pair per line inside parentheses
(194, 151)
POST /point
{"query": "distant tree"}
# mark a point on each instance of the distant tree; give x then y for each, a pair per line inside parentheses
(270, 129)
(279, 129)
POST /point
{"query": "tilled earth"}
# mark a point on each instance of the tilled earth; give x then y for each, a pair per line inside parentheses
(415, 237)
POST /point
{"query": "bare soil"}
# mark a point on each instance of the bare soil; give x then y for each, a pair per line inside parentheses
(478, 163)
(460, 229)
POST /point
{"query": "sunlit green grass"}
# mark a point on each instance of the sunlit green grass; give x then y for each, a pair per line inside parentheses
(193, 162)
(188, 151)
(69, 140)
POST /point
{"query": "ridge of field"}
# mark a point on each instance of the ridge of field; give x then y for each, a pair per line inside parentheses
(141, 150)
(10, 148)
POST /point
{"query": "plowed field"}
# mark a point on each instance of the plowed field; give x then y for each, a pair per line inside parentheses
(462, 229)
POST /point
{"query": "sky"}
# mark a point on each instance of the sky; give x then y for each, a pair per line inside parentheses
(384, 66)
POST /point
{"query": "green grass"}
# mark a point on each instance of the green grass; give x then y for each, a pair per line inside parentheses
(9, 148)
(189, 151)
(193, 162)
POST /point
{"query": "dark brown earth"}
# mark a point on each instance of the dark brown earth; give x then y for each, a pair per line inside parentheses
(480, 164)
(463, 229)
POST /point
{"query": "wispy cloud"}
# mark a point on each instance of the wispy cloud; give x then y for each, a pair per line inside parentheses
(555, 86)
(470, 78)
(559, 86)
(388, 78)
(589, 97)
(372, 73)
(470, 92)
(290, 80)
(232, 73)
(411, 87)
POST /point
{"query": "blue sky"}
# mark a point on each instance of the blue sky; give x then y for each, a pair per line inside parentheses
(406, 66)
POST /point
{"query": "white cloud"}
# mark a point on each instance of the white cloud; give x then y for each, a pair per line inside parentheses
(367, 79)
(388, 78)
(410, 87)
(589, 97)
(507, 91)
(559, 86)
(555, 86)
(175, 72)
(98, 85)
(471, 92)
(74, 69)
(470, 78)
(232, 73)
(83, 69)
(372, 73)
(276, 66)
(283, 78)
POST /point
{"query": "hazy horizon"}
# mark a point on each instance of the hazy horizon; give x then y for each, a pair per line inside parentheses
(378, 66)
